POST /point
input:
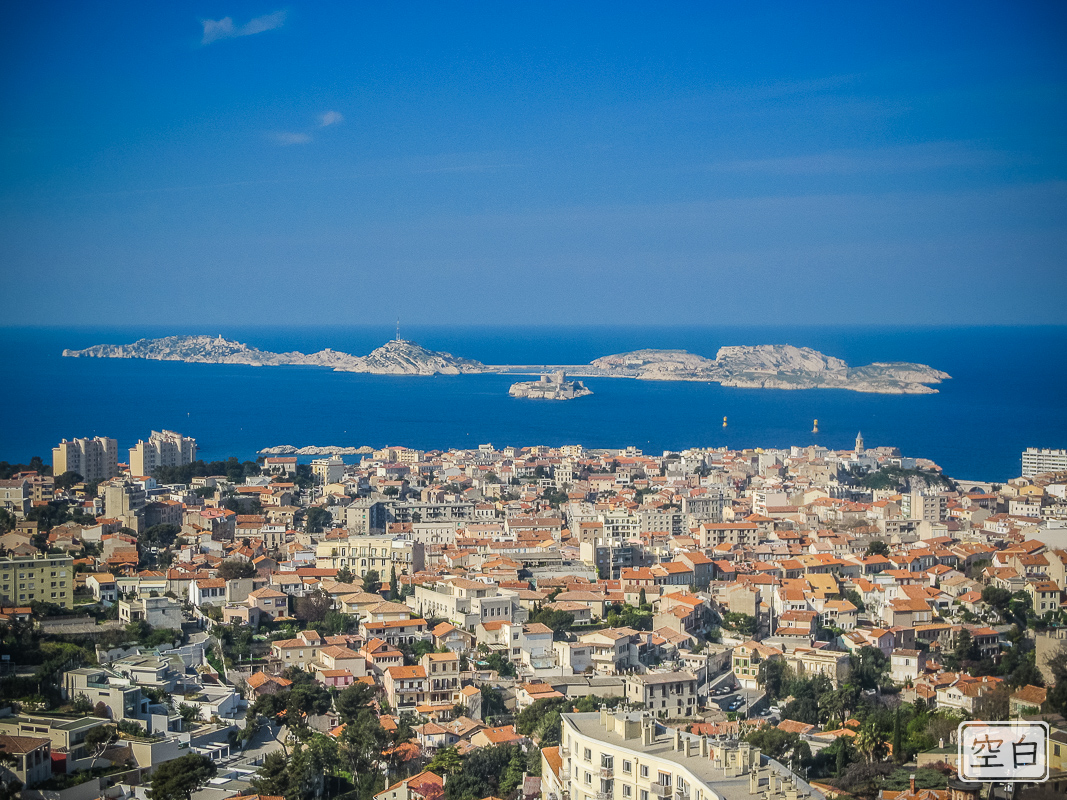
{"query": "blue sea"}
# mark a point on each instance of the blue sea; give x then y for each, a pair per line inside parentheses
(1008, 392)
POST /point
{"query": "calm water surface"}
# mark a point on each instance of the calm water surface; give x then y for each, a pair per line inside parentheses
(1008, 392)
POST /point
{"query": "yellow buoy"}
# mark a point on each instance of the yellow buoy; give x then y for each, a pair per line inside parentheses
(724, 422)
(815, 427)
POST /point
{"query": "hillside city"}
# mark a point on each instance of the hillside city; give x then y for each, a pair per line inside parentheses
(534, 623)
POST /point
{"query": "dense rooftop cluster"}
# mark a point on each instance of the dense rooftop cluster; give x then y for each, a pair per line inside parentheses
(451, 605)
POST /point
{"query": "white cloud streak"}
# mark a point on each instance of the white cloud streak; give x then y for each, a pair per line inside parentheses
(330, 118)
(216, 30)
(288, 137)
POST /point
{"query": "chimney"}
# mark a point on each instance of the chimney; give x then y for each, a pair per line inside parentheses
(911, 782)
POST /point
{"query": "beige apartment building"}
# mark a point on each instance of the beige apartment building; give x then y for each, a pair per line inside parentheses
(361, 554)
(94, 459)
(40, 578)
(163, 449)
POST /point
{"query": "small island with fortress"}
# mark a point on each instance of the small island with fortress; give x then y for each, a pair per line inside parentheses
(550, 387)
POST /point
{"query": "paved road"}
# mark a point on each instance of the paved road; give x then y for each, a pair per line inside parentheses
(751, 699)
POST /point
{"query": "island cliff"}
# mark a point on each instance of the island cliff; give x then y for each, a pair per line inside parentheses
(771, 366)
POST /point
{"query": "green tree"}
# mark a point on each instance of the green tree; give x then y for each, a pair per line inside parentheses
(272, 777)
(372, 582)
(393, 586)
(68, 479)
(743, 624)
(345, 575)
(307, 699)
(965, 650)
(869, 668)
(189, 713)
(488, 771)
(309, 766)
(361, 744)
(232, 569)
(81, 704)
(447, 761)
(162, 535)
(994, 704)
(503, 667)
(558, 621)
(898, 738)
(98, 739)
(178, 778)
(870, 743)
(878, 547)
(773, 742)
(492, 702)
(352, 700)
(854, 597)
(775, 675)
(316, 518)
(313, 606)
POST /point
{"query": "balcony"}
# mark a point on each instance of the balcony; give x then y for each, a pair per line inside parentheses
(607, 772)
(660, 789)
(605, 796)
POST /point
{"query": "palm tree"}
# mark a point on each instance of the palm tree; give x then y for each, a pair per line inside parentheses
(870, 743)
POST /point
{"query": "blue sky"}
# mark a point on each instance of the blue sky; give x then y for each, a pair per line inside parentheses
(192, 163)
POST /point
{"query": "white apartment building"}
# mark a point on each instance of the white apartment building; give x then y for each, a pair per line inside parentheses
(665, 694)
(163, 449)
(466, 603)
(1037, 460)
(94, 459)
(628, 756)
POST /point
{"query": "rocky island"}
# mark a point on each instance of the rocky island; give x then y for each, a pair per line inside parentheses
(314, 450)
(769, 366)
(550, 387)
(396, 357)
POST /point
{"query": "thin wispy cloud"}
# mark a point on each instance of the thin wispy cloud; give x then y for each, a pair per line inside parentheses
(908, 158)
(216, 30)
(330, 118)
(325, 120)
(289, 137)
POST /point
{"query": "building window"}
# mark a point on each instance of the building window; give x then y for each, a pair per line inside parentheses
(644, 771)
(588, 754)
(627, 767)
